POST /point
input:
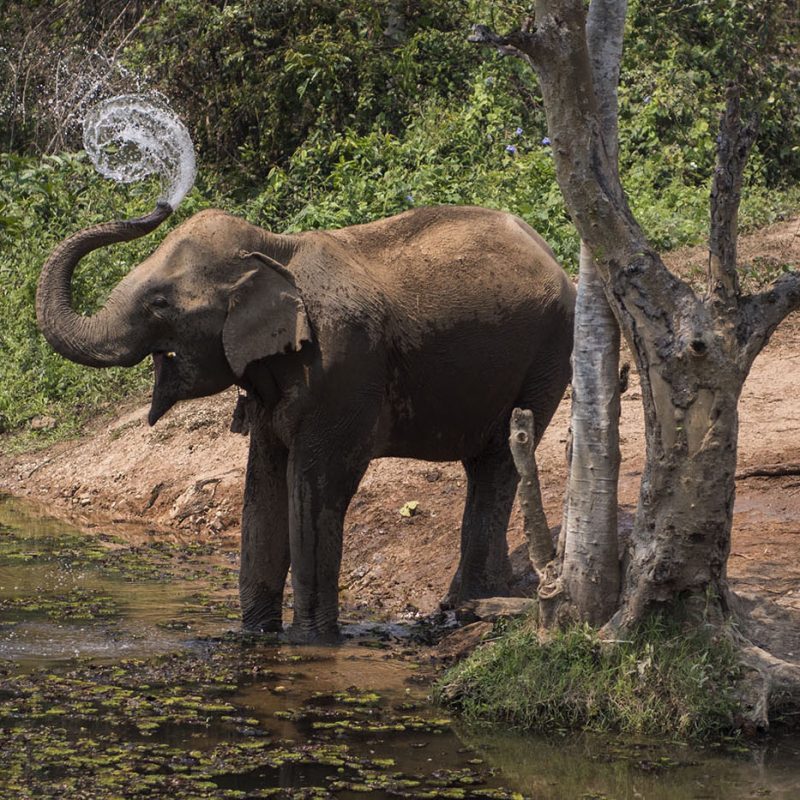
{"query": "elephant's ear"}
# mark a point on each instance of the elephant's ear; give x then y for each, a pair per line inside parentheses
(266, 316)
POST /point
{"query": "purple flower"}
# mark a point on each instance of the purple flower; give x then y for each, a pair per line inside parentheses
(510, 148)
(490, 81)
(518, 132)
(409, 198)
(546, 141)
(647, 100)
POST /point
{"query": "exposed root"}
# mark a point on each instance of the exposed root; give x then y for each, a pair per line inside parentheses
(767, 639)
(768, 687)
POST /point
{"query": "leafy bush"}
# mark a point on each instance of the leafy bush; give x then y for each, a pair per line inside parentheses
(678, 59)
(42, 201)
(472, 152)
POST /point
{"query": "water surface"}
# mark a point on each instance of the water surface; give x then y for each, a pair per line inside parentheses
(122, 674)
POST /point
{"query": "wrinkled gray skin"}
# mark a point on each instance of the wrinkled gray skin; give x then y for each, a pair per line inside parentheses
(414, 336)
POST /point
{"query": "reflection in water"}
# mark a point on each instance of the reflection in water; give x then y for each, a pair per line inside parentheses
(307, 716)
(65, 593)
(594, 766)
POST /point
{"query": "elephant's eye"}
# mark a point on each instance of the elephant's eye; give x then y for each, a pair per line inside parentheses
(159, 301)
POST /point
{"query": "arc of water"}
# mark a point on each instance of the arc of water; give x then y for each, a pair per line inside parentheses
(132, 136)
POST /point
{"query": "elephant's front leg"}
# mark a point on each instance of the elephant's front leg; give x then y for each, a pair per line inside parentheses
(321, 487)
(265, 527)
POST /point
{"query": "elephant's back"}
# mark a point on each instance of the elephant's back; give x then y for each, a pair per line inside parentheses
(442, 264)
(479, 318)
(465, 307)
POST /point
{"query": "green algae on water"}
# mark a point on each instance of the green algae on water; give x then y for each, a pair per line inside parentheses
(171, 726)
(74, 604)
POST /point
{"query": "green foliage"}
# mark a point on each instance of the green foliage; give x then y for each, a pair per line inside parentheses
(299, 71)
(679, 58)
(323, 113)
(667, 680)
(471, 152)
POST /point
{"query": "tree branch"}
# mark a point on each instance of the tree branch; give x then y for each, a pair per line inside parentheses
(769, 471)
(734, 143)
(605, 28)
(763, 312)
(586, 168)
(521, 43)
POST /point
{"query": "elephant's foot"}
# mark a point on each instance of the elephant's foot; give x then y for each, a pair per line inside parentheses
(487, 583)
(299, 634)
(265, 626)
(451, 600)
(263, 615)
(316, 623)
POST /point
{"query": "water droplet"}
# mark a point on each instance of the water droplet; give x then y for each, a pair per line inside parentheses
(132, 136)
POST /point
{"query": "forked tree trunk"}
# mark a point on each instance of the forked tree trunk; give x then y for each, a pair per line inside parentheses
(692, 352)
(681, 535)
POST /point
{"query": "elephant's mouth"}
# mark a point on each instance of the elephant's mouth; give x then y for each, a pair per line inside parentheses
(165, 384)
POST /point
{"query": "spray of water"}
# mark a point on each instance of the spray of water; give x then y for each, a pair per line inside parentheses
(132, 136)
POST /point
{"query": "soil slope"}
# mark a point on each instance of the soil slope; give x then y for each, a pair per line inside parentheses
(185, 477)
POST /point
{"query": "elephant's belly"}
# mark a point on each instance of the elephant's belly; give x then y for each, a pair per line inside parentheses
(435, 446)
(453, 428)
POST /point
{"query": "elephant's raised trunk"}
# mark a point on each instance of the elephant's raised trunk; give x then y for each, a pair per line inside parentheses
(95, 341)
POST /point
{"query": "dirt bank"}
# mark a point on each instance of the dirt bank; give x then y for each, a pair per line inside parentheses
(187, 474)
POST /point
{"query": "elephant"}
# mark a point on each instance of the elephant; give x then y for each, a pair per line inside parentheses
(412, 336)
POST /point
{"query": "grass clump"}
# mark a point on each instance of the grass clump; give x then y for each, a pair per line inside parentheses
(665, 681)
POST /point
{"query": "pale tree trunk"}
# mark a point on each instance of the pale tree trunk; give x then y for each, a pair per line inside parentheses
(590, 572)
(692, 352)
(587, 583)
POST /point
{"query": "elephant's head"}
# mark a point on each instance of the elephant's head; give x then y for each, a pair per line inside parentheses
(213, 298)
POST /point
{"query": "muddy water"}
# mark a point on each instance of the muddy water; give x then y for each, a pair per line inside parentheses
(121, 675)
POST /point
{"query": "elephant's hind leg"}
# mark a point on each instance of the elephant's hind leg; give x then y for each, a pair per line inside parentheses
(265, 528)
(485, 568)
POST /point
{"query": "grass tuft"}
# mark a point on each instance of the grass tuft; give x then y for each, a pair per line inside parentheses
(664, 681)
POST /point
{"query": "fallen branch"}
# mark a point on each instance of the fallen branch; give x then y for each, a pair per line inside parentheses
(769, 471)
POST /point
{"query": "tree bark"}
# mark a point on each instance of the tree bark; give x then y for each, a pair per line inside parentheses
(591, 571)
(692, 353)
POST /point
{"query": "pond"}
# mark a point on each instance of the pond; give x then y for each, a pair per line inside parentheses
(122, 674)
